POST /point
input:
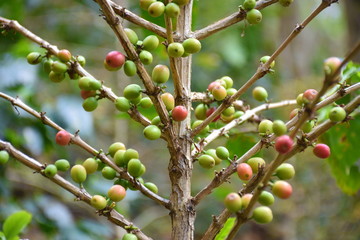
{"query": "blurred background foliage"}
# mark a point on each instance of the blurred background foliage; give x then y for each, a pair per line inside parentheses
(318, 208)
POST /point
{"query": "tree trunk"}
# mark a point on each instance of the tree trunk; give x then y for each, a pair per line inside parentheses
(180, 166)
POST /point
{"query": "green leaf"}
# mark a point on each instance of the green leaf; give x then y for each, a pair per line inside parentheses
(343, 141)
(2, 236)
(224, 232)
(15, 223)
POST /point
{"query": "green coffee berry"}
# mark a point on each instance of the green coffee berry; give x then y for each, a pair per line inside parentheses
(265, 127)
(132, 91)
(90, 165)
(81, 60)
(222, 153)
(197, 123)
(59, 67)
(119, 158)
(156, 9)
(152, 132)
(47, 65)
(116, 146)
(192, 45)
(146, 102)
(146, 57)
(255, 163)
(229, 82)
(175, 49)
(266, 198)
(34, 58)
(337, 114)
(150, 43)
(285, 171)
(90, 104)
(131, 34)
(144, 4)
(308, 126)
(84, 83)
(108, 173)
(200, 111)
(264, 60)
(160, 74)
(262, 215)
(56, 77)
(78, 173)
(206, 161)
(260, 94)
(122, 104)
(129, 236)
(279, 127)
(172, 10)
(130, 154)
(134, 167)
(4, 157)
(152, 187)
(98, 202)
(249, 4)
(212, 153)
(129, 68)
(62, 165)
(50, 170)
(229, 111)
(254, 16)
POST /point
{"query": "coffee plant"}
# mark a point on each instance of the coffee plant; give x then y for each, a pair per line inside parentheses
(187, 121)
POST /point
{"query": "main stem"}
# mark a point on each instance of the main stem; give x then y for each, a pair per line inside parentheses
(180, 166)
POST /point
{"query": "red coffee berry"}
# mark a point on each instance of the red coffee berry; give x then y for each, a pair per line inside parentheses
(283, 144)
(282, 189)
(244, 171)
(63, 138)
(87, 93)
(321, 150)
(115, 59)
(179, 113)
(117, 193)
(210, 111)
(309, 95)
(64, 55)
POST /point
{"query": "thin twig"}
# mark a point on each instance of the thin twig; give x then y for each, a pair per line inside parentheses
(111, 214)
(261, 71)
(75, 139)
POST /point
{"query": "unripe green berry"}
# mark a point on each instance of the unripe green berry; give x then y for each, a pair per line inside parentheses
(212, 153)
(84, 83)
(255, 163)
(197, 123)
(4, 157)
(98, 202)
(90, 165)
(285, 171)
(206, 161)
(279, 127)
(116, 146)
(249, 4)
(264, 60)
(238, 114)
(160, 74)
(78, 173)
(62, 165)
(146, 57)
(222, 153)
(50, 170)
(337, 114)
(233, 202)
(132, 91)
(59, 67)
(131, 34)
(156, 9)
(144, 4)
(260, 94)
(200, 111)
(172, 10)
(308, 126)
(156, 120)
(152, 132)
(119, 158)
(137, 100)
(266, 198)
(122, 104)
(300, 100)
(56, 77)
(229, 82)
(229, 111)
(150, 43)
(192, 45)
(254, 16)
(129, 68)
(152, 187)
(81, 60)
(130, 154)
(90, 104)
(262, 215)
(181, 2)
(129, 236)
(146, 102)
(108, 173)
(47, 65)
(245, 200)
(33, 58)
(134, 167)
(265, 127)
(175, 49)
(94, 84)
(230, 91)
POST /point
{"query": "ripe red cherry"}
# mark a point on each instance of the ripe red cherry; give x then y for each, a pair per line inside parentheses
(210, 111)
(244, 171)
(115, 59)
(63, 138)
(282, 189)
(283, 144)
(321, 150)
(117, 193)
(179, 113)
(87, 93)
(309, 95)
